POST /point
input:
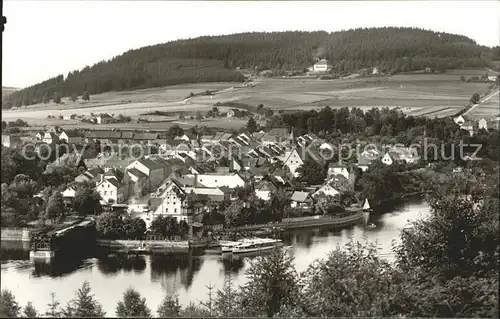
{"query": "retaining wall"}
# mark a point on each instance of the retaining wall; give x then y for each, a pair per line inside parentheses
(15, 234)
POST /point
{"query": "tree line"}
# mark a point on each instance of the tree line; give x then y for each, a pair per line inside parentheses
(445, 266)
(215, 58)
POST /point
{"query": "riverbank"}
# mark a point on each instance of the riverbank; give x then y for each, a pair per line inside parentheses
(304, 222)
(152, 245)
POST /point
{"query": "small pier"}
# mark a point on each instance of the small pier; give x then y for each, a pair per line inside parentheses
(45, 244)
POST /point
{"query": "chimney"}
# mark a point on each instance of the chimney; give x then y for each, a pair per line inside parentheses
(102, 177)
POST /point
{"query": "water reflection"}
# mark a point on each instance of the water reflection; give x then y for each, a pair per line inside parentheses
(232, 265)
(174, 269)
(59, 266)
(184, 274)
(113, 263)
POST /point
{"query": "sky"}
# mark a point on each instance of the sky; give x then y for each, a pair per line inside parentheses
(45, 38)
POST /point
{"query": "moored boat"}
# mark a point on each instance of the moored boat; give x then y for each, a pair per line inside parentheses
(257, 245)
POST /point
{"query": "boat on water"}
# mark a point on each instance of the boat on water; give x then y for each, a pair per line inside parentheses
(142, 249)
(257, 245)
(366, 205)
(227, 246)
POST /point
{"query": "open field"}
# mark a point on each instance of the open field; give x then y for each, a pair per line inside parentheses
(487, 109)
(416, 94)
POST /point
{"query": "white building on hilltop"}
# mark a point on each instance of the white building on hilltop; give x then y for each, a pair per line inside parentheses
(322, 66)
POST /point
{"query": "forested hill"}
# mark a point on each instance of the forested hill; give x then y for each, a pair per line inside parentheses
(208, 59)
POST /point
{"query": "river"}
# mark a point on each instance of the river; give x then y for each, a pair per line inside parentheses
(185, 275)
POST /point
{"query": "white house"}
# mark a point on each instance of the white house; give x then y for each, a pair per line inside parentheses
(459, 120)
(327, 190)
(175, 202)
(387, 160)
(322, 66)
(338, 169)
(492, 78)
(69, 193)
(375, 71)
(293, 161)
(264, 189)
(50, 138)
(482, 124)
(111, 191)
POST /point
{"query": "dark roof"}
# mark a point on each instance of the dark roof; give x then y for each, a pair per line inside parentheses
(146, 136)
(337, 165)
(151, 164)
(72, 133)
(112, 181)
(266, 185)
(103, 134)
(127, 135)
(136, 172)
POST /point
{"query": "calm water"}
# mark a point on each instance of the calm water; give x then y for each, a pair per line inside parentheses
(185, 275)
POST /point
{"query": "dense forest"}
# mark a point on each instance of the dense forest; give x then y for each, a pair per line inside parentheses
(216, 58)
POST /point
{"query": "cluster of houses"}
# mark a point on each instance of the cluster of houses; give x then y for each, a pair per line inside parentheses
(190, 176)
(473, 127)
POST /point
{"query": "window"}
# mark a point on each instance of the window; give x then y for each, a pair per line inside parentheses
(105, 192)
(175, 210)
(166, 210)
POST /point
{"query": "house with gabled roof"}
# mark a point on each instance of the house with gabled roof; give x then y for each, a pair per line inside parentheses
(366, 158)
(468, 126)
(338, 169)
(90, 175)
(111, 191)
(69, 193)
(404, 154)
(302, 200)
(459, 120)
(151, 168)
(50, 138)
(175, 202)
(71, 137)
(326, 190)
(264, 189)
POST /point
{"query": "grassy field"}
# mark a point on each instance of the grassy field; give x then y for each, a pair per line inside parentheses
(416, 94)
(488, 109)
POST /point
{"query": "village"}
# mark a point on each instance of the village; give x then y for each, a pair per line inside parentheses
(146, 175)
(189, 176)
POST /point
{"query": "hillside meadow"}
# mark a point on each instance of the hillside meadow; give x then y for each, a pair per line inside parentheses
(435, 95)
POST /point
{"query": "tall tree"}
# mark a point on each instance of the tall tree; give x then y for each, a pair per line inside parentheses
(54, 310)
(169, 307)
(86, 201)
(312, 172)
(85, 96)
(29, 310)
(251, 125)
(132, 305)
(272, 282)
(9, 308)
(85, 305)
(55, 207)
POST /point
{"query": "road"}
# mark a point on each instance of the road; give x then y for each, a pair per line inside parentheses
(481, 102)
